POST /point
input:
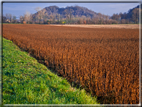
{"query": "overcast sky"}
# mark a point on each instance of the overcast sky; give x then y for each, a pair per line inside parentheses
(18, 9)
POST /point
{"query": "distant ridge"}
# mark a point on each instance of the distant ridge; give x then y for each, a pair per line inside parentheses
(74, 11)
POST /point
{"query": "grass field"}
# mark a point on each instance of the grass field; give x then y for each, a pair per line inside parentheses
(25, 81)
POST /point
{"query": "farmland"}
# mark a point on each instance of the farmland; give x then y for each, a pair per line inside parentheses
(103, 61)
(25, 81)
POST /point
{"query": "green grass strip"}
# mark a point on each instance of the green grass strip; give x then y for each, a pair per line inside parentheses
(25, 81)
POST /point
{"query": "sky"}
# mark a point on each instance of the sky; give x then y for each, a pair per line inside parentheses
(18, 9)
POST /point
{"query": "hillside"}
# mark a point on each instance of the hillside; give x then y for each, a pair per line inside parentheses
(134, 12)
(68, 12)
(132, 16)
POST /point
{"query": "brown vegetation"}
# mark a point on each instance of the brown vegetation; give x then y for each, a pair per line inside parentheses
(119, 26)
(103, 61)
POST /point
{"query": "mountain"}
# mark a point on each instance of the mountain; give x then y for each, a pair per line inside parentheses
(72, 11)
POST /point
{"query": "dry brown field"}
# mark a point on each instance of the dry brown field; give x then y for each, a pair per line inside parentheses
(104, 61)
(116, 26)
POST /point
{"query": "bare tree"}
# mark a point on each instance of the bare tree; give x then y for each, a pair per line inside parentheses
(71, 11)
(45, 18)
(27, 17)
(67, 15)
(9, 17)
(58, 17)
(51, 18)
(135, 15)
(14, 19)
(54, 17)
(21, 19)
(40, 14)
(38, 9)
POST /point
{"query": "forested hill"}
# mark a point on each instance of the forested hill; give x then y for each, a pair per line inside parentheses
(131, 16)
(133, 12)
(68, 12)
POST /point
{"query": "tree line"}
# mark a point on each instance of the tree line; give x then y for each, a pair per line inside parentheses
(131, 17)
